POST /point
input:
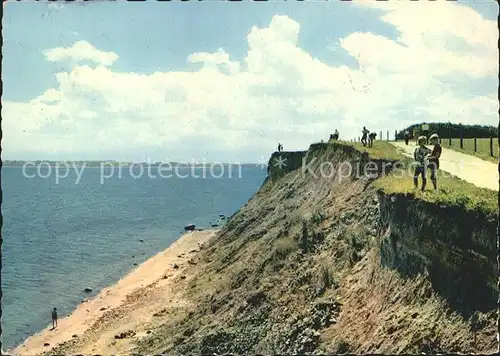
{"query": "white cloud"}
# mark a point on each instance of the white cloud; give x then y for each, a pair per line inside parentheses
(81, 50)
(214, 60)
(279, 92)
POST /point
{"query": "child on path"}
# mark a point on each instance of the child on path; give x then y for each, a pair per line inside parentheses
(434, 158)
(407, 137)
(421, 152)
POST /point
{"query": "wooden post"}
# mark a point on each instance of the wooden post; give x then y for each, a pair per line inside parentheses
(380, 135)
(449, 141)
(461, 139)
(449, 135)
(395, 135)
(475, 144)
(491, 146)
(387, 138)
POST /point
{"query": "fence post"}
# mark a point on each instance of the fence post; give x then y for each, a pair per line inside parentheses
(380, 135)
(475, 144)
(449, 141)
(395, 135)
(491, 146)
(461, 139)
(387, 138)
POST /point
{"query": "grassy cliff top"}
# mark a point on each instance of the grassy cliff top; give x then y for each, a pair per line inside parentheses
(452, 190)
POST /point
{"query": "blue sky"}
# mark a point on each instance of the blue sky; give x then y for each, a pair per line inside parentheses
(373, 50)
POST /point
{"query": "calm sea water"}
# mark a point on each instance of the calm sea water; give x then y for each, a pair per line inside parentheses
(61, 238)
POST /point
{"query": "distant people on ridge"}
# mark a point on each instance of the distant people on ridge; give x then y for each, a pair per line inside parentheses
(335, 135)
(280, 147)
(364, 136)
(407, 137)
(371, 138)
(420, 154)
(433, 159)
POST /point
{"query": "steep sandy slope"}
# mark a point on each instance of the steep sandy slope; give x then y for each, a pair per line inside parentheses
(312, 264)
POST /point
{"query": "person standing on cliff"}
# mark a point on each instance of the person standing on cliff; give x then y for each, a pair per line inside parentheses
(371, 138)
(433, 159)
(54, 318)
(420, 154)
(407, 137)
(365, 133)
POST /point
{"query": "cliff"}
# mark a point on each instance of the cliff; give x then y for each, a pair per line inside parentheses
(321, 260)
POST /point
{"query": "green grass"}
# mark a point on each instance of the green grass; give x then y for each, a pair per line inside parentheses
(483, 147)
(380, 150)
(452, 190)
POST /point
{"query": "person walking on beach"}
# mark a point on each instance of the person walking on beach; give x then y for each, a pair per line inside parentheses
(420, 154)
(54, 318)
(433, 159)
(365, 133)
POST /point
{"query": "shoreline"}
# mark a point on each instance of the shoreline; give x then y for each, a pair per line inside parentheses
(134, 298)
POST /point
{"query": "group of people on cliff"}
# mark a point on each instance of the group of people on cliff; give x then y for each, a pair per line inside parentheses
(334, 136)
(366, 134)
(426, 158)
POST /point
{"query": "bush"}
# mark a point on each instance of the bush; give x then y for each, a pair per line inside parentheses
(304, 237)
(445, 129)
(317, 217)
(282, 248)
(326, 278)
(357, 239)
(341, 346)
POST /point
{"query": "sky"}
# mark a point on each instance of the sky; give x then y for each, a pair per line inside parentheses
(226, 81)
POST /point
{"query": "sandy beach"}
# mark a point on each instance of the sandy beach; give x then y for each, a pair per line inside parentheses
(113, 320)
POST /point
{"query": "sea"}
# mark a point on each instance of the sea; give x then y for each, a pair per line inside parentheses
(64, 231)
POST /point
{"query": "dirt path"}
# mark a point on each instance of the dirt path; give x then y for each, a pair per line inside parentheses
(479, 172)
(126, 307)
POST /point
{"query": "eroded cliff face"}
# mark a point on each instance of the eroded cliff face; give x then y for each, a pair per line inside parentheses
(324, 263)
(456, 248)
